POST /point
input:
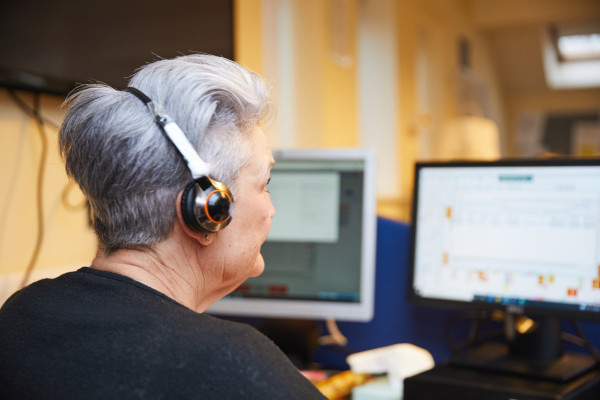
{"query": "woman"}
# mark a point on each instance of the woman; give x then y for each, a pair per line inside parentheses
(132, 324)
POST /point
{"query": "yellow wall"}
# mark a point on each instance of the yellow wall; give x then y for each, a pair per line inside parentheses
(442, 22)
(339, 86)
(248, 34)
(67, 240)
(325, 99)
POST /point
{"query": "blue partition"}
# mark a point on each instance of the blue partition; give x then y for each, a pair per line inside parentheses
(395, 319)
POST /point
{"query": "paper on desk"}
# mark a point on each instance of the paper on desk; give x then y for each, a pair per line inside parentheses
(399, 361)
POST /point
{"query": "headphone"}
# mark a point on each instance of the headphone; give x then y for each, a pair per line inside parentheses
(206, 205)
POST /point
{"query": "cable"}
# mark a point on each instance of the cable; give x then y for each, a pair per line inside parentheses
(31, 111)
(475, 317)
(586, 343)
(335, 336)
(35, 114)
(476, 334)
(573, 339)
(64, 198)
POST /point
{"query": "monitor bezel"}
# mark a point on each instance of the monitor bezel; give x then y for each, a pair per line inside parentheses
(361, 311)
(524, 309)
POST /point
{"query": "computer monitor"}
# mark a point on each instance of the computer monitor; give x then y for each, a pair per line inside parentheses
(320, 253)
(522, 236)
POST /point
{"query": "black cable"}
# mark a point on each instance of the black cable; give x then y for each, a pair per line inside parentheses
(31, 111)
(573, 339)
(474, 335)
(34, 112)
(450, 322)
(64, 199)
(586, 343)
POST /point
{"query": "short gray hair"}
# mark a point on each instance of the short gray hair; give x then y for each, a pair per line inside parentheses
(126, 167)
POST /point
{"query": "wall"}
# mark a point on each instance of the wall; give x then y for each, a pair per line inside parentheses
(428, 33)
(515, 38)
(314, 89)
(67, 240)
(379, 97)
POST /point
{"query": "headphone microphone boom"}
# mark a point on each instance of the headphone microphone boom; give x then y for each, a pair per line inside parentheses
(206, 205)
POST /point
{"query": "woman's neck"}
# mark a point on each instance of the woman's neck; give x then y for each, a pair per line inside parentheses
(171, 267)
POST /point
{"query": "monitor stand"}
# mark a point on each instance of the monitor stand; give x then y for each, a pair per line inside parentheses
(537, 353)
(297, 338)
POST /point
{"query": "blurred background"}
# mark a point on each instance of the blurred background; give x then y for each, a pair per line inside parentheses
(412, 79)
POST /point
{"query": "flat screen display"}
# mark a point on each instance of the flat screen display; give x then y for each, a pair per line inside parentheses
(320, 253)
(522, 235)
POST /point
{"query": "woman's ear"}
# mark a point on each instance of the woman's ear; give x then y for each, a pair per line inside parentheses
(203, 238)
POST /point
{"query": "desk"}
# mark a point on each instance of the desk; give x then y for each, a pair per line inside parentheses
(445, 382)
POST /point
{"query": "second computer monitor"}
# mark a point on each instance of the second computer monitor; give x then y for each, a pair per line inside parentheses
(320, 253)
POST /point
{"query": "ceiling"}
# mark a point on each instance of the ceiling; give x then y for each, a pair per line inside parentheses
(515, 31)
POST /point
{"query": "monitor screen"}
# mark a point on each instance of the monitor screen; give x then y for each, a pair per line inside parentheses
(519, 235)
(320, 253)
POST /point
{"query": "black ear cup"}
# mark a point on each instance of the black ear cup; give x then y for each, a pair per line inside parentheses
(206, 205)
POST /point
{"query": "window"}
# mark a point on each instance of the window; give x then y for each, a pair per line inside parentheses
(577, 43)
(572, 56)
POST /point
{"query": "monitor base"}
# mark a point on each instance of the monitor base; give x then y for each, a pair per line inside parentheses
(497, 357)
(451, 382)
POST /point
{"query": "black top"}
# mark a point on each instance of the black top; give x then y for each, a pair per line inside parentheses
(98, 335)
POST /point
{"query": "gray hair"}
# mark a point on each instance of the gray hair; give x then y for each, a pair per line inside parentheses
(129, 171)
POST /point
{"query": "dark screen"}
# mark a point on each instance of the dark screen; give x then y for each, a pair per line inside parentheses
(51, 46)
